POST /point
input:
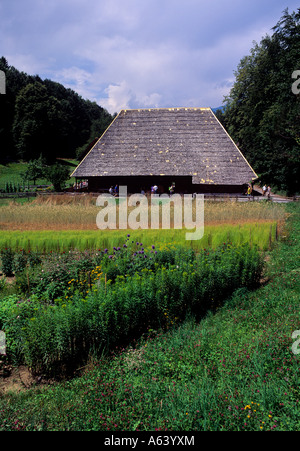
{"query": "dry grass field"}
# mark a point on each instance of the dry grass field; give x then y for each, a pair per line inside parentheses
(80, 212)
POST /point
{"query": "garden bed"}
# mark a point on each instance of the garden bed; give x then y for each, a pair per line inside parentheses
(77, 303)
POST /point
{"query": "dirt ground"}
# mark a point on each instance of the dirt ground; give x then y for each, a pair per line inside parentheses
(15, 379)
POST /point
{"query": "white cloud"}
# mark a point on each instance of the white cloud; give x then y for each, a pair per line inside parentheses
(118, 97)
(77, 79)
(27, 63)
(121, 96)
(137, 53)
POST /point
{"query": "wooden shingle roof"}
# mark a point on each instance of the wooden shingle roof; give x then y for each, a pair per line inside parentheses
(171, 142)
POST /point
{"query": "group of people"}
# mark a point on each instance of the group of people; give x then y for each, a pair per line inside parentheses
(155, 189)
(267, 191)
(114, 190)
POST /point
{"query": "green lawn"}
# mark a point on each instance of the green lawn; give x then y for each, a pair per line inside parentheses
(12, 173)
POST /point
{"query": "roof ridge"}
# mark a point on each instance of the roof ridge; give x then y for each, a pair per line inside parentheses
(167, 109)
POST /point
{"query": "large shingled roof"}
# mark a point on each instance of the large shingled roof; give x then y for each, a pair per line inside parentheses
(171, 142)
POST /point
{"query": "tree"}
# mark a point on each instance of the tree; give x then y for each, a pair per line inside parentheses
(35, 125)
(262, 114)
(41, 116)
(57, 175)
(35, 169)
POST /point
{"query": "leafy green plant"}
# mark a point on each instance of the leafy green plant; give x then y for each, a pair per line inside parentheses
(3, 284)
(57, 175)
(7, 258)
(20, 261)
(96, 313)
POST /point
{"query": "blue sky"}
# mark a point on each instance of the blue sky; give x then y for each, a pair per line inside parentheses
(137, 53)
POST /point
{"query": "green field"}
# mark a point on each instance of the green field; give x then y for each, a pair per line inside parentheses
(261, 235)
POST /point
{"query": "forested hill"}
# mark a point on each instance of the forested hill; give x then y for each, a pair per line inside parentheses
(262, 112)
(43, 117)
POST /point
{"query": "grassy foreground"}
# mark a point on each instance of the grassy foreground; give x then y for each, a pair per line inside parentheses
(261, 235)
(235, 370)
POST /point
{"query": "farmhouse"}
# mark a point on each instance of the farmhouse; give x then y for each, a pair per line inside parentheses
(186, 147)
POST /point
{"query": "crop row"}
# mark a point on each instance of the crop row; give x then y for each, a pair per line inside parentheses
(260, 234)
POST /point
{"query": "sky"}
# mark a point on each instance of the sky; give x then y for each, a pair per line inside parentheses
(137, 53)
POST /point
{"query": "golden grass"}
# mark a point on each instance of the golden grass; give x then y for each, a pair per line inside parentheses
(80, 212)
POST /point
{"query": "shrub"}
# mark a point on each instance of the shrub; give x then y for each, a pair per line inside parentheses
(58, 176)
(7, 258)
(20, 261)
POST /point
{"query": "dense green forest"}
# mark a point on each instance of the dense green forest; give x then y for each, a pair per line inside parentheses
(42, 117)
(262, 111)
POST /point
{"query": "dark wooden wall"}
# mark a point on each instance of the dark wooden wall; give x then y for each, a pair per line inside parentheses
(183, 185)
